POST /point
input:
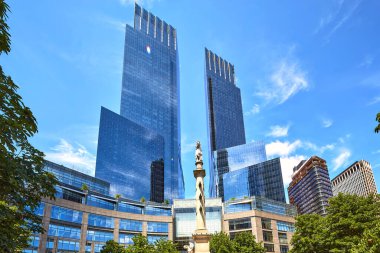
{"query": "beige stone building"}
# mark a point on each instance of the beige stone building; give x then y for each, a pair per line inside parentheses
(356, 179)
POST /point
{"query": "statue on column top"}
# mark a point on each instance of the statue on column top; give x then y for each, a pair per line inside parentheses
(198, 153)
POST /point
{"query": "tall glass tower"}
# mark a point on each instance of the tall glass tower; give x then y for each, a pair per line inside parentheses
(150, 99)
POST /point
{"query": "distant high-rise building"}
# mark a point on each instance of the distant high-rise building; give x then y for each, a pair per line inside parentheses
(150, 105)
(310, 188)
(223, 103)
(356, 179)
(261, 179)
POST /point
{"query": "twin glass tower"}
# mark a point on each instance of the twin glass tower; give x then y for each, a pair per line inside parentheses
(139, 149)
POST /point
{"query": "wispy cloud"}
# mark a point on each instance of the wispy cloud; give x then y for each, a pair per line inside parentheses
(372, 80)
(254, 110)
(278, 148)
(287, 79)
(337, 17)
(341, 159)
(367, 61)
(326, 123)
(278, 131)
(186, 145)
(374, 100)
(73, 156)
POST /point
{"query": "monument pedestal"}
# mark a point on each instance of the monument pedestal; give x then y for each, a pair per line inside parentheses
(201, 239)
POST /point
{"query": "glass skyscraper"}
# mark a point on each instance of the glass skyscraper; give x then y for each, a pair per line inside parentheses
(262, 179)
(224, 108)
(233, 159)
(149, 100)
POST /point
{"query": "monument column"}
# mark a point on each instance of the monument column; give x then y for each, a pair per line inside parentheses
(201, 235)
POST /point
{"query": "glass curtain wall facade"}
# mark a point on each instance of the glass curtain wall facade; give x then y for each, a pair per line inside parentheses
(126, 154)
(233, 159)
(150, 88)
(262, 179)
(310, 187)
(150, 105)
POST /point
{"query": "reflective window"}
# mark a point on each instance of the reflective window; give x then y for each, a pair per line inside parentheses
(68, 246)
(100, 221)
(100, 236)
(60, 213)
(50, 243)
(154, 238)
(150, 210)
(40, 209)
(101, 203)
(285, 226)
(126, 238)
(64, 231)
(129, 208)
(68, 195)
(240, 207)
(240, 224)
(130, 225)
(160, 227)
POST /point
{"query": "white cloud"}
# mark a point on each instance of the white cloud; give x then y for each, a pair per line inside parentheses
(287, 80)
(367, 61)
(76, 157)
(278, 148)
(287, 165)
(278, 131)
(334, 20)
(254, 110)
(186, 146)
(375, 100)
(341, 159)
(318, 149)
(326, 123)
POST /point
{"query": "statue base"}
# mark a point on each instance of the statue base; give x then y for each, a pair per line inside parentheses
(201, 239)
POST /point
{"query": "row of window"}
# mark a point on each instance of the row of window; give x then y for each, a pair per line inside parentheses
(245, 223)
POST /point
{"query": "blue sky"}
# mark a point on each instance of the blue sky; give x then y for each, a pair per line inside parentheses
(309, 73)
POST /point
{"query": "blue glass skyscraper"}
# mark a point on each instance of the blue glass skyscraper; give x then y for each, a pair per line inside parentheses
(150, 99)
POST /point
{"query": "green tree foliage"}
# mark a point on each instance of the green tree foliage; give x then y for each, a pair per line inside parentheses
(141, 245)
(351, 225)
(377, 129)
(246, 243)
(242, 243)
(113, 247)
(23, 182)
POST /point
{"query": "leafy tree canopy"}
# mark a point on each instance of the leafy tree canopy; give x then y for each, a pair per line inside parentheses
(23, 182)
(242, 243)
(377, 129)
(349, 218)
(113, 247)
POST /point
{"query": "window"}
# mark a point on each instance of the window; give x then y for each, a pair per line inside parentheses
(68, 195)
(128, 208)
(64, 231)
(283, 238)
(131, 225)
(234, 208)
(159, 227)
(267, 236)
(285, 226)
(150, 210)
(240, 224)
(68, 245)
(269, 247)
(284, 248)
(100, 236)
(266, 223)
(153, 238)
(126, 238)
(60, 213)
(94, 201)
(100, 221)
